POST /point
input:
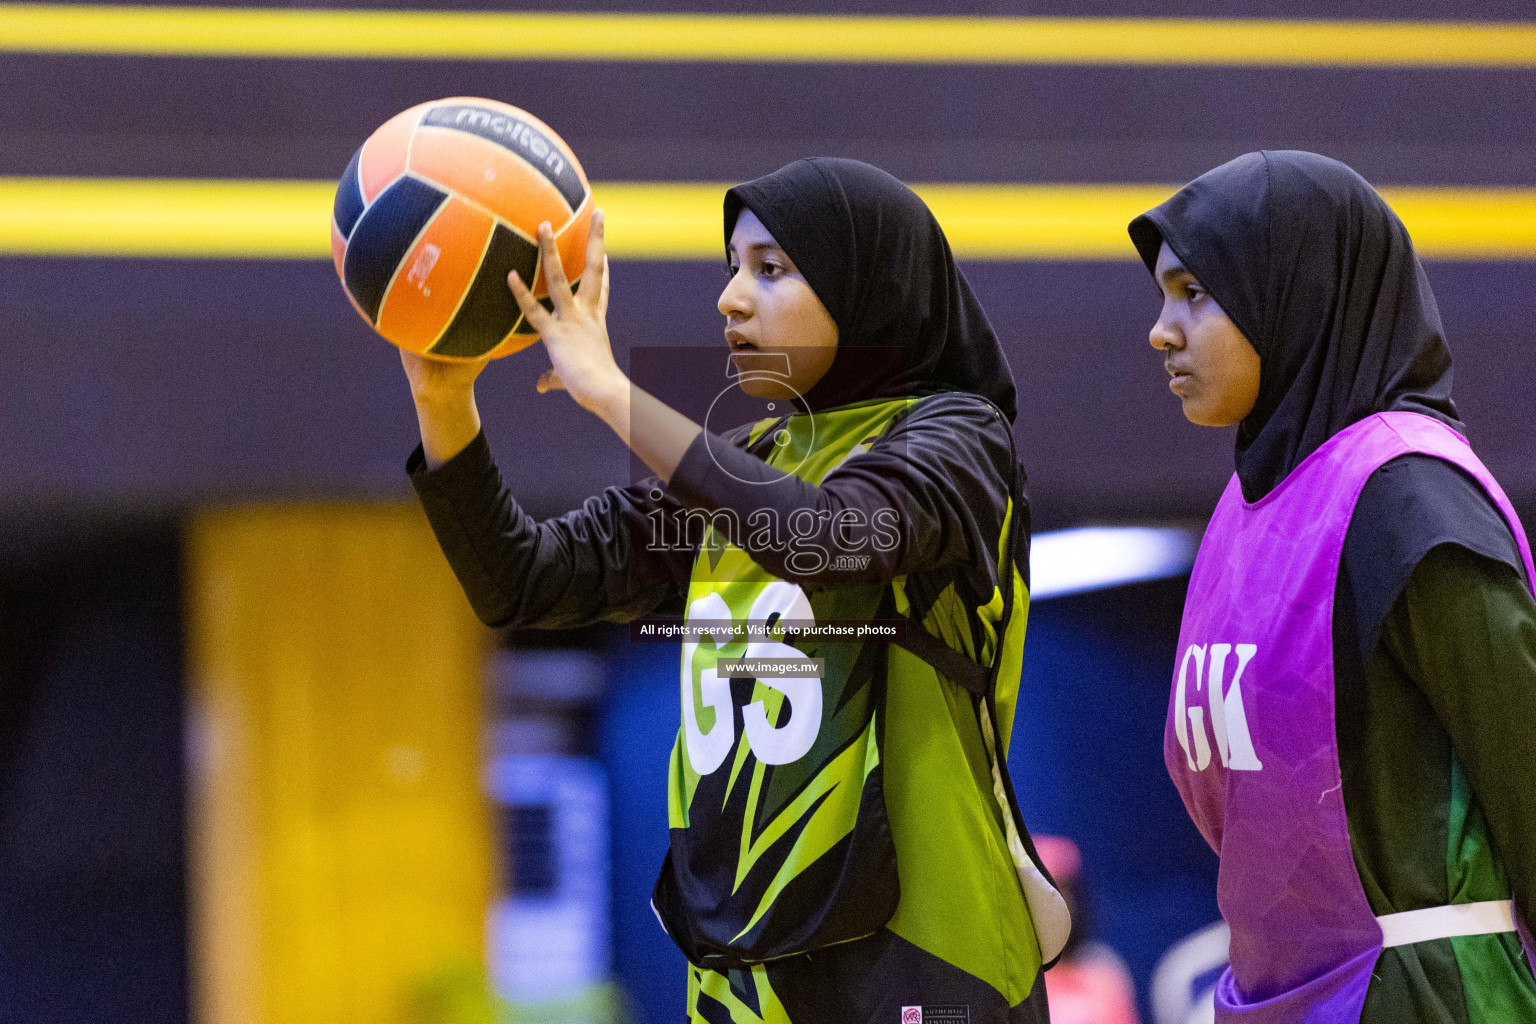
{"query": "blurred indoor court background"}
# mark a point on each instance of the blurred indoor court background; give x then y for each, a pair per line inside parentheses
(259, 764)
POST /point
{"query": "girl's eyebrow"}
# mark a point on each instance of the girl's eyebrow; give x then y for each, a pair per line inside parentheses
(754, 247)
(1173, 272)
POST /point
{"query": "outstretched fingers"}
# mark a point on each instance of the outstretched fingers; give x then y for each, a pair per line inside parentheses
(555, 281)
(594, 276)
(533, 311)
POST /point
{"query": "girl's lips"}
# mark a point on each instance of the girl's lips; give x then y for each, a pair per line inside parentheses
(1177, 381)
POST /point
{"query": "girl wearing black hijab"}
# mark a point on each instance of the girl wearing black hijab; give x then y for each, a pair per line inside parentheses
(1351, 722)
(844, 840)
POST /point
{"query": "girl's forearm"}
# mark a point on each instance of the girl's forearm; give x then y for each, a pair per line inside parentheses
(653, 430)
(448, 423)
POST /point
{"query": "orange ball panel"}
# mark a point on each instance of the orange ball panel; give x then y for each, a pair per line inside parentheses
(572, 242)
(488, 174)
(434, 276)
(384, 154)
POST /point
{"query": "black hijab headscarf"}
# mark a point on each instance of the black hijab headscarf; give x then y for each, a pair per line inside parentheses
(907, 322)
(1320, 276)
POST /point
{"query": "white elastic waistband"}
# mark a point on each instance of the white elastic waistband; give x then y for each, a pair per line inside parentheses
(1444, 922)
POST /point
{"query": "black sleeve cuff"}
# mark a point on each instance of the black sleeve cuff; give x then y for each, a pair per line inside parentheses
(454, 476)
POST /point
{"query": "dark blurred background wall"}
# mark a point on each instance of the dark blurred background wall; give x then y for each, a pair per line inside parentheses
(93, 904)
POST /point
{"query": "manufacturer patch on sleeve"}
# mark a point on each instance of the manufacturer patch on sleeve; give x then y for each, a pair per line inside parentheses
(952, 1013)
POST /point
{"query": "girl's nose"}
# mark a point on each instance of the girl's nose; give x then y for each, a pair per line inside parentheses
(733, 298)
(1164, 335)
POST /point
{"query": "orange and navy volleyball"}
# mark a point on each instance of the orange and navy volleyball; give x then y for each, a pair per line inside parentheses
(435, 209)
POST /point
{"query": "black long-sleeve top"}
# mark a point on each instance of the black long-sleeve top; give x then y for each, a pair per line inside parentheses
(944, 466)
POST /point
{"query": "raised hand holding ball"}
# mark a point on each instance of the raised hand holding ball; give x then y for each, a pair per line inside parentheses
(574, 327)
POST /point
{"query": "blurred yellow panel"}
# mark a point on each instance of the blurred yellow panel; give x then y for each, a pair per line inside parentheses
(165, 217)
(672, 220)
(278, 32)
(1468, 223)
(341, 850)
(1035, 222)
(663, 220)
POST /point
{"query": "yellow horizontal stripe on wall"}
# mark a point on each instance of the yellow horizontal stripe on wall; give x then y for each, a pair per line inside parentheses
(276, 32)
(165, 217)
(660, 220)
(1468, 223)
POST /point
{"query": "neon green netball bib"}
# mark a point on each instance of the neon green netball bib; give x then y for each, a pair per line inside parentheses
(779, 839)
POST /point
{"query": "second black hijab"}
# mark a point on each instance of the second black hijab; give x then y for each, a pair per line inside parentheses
(1320, 276)
(908, 323)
